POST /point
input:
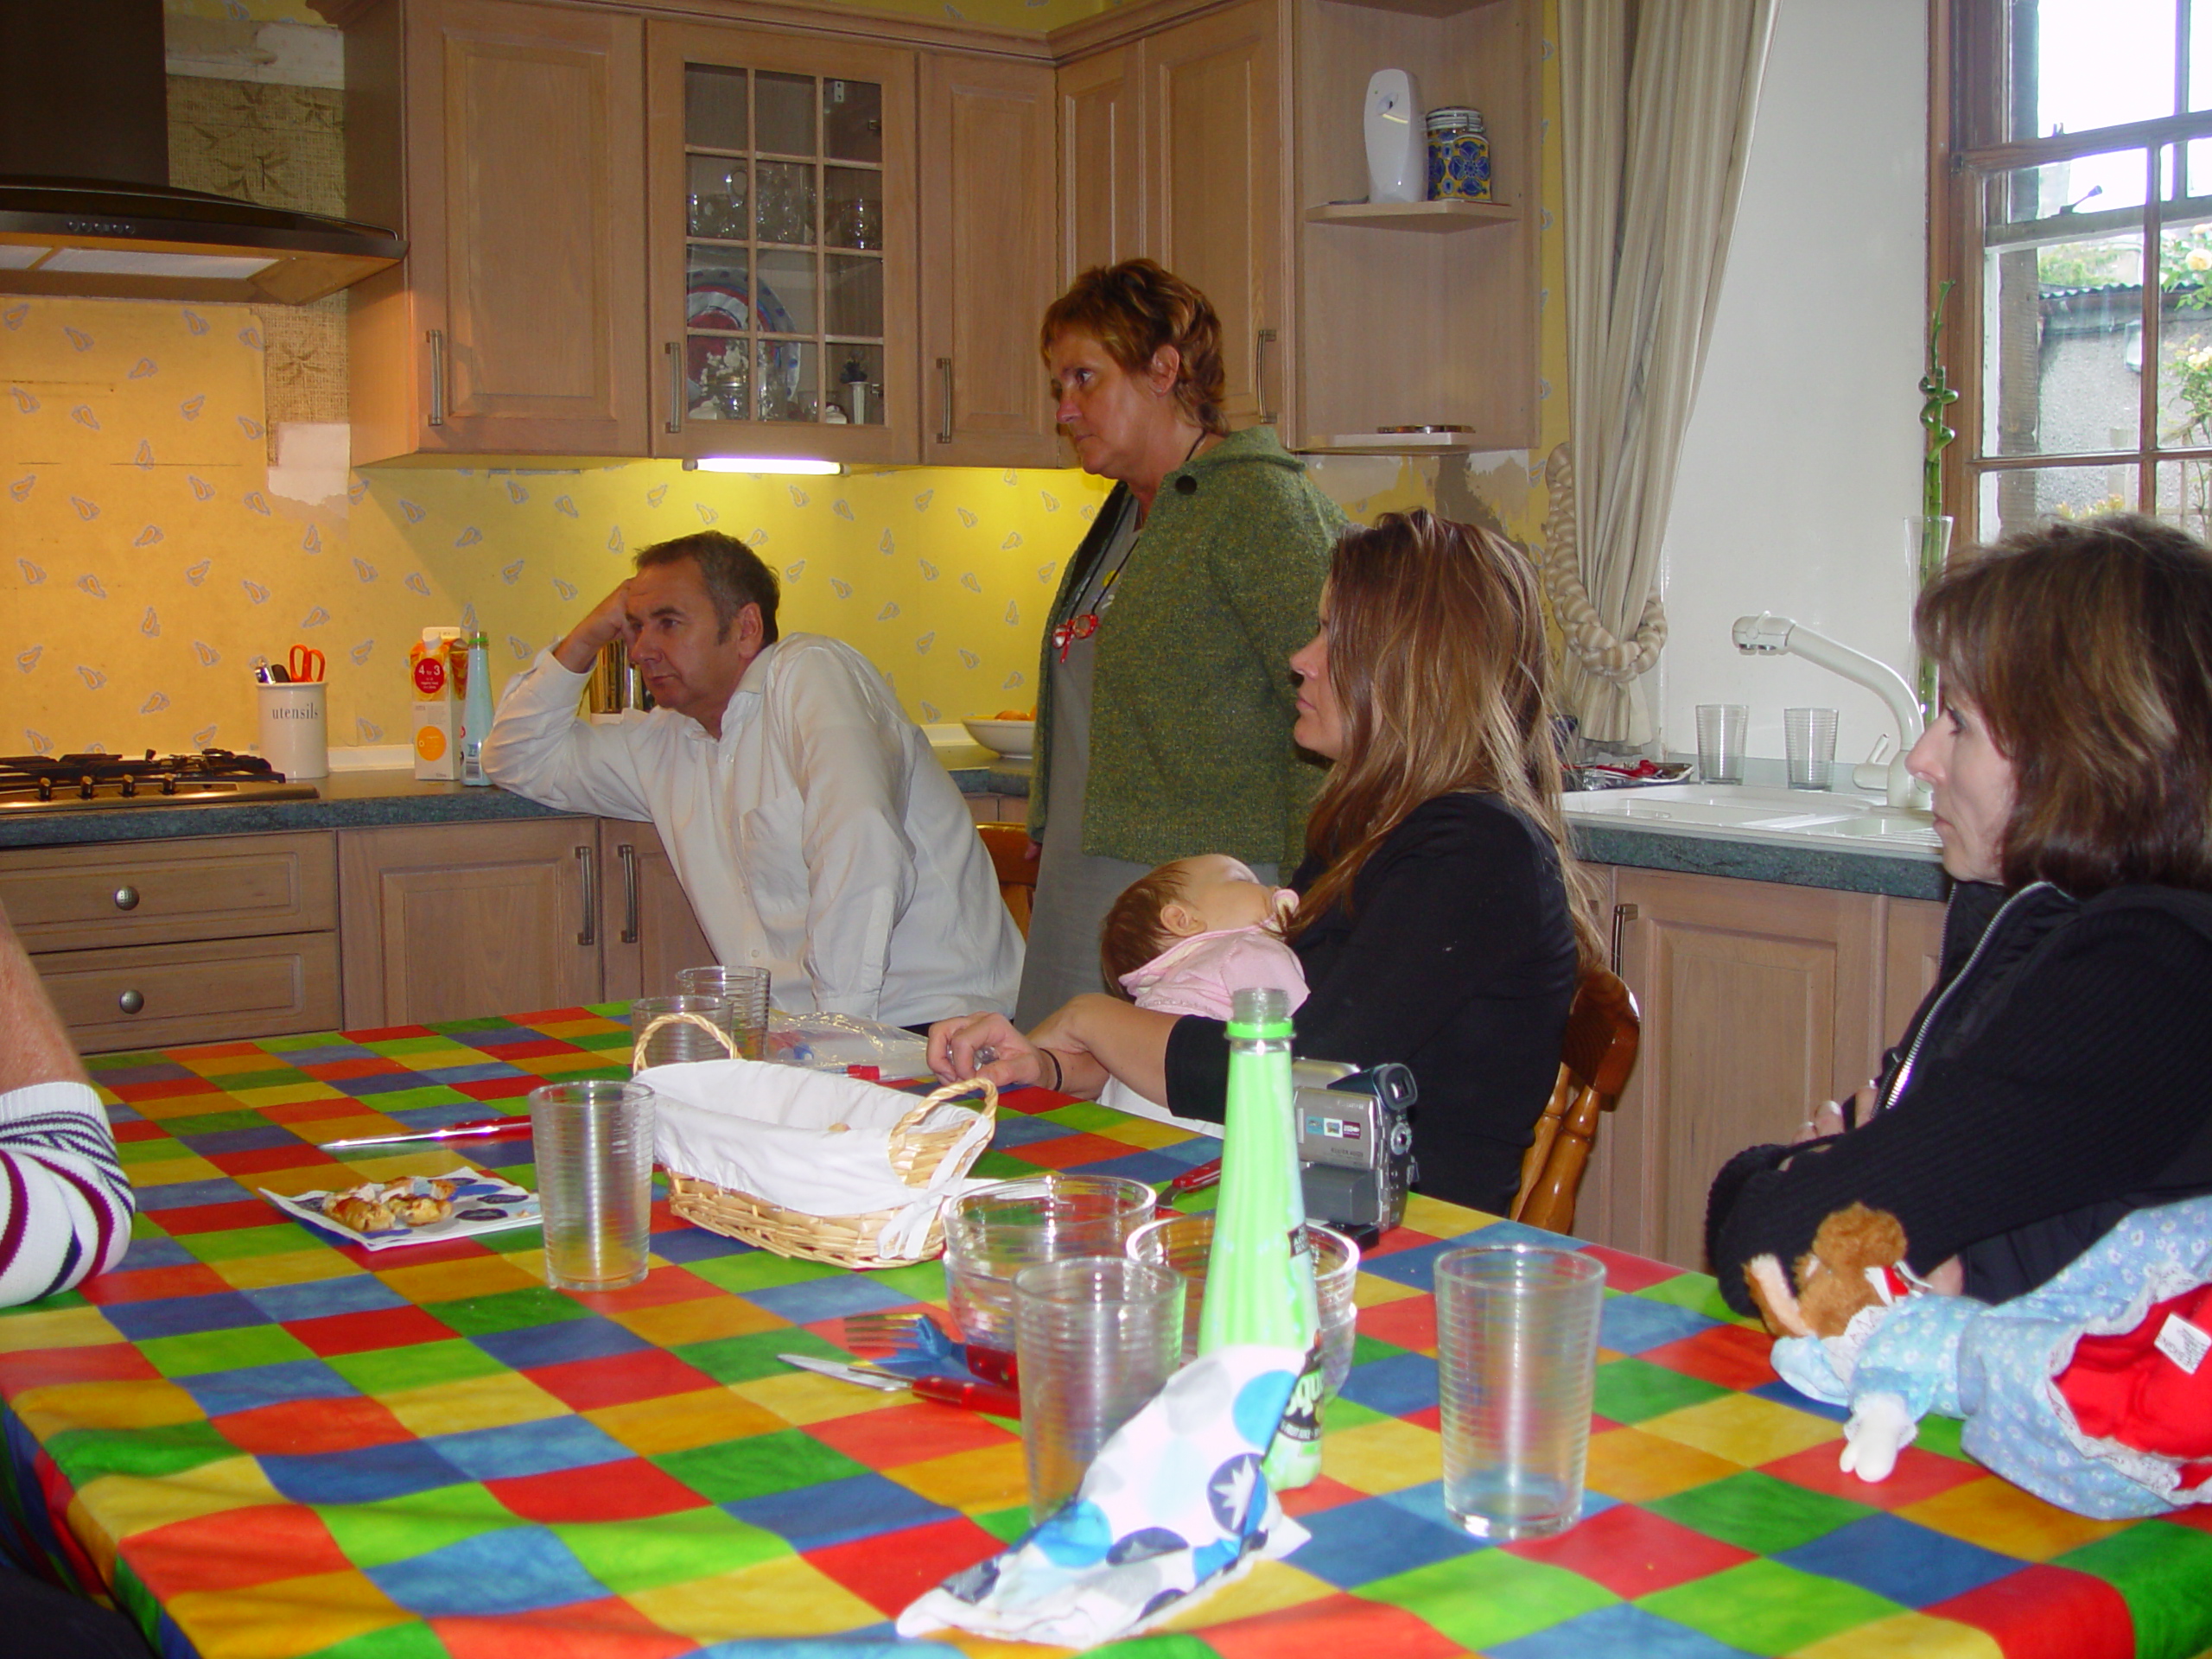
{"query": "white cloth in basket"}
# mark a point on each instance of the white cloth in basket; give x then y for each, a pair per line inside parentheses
(767, 1131)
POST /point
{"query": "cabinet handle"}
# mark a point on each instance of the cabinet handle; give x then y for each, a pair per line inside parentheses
(130, 1001)
(1622, 915)
(126, 898)
(944, 407)
(437, 377)
(588, 863)
(628, 855)
(676, 385)
(1261, 341)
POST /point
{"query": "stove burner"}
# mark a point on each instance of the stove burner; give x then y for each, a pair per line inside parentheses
(76, 781)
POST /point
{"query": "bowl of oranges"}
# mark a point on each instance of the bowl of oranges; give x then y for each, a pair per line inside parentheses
(1011, 732)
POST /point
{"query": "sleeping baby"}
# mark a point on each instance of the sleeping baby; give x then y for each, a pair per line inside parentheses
(1185, 939)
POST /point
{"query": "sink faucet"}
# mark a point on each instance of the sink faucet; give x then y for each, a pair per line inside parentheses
(1768, 635)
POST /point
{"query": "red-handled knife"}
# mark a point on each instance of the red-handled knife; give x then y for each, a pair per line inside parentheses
(1193, 1179)
(479, 1129)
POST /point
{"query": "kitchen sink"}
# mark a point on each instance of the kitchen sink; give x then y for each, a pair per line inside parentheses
(1751, 812)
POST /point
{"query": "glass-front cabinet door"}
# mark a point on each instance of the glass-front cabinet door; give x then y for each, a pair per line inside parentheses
(783, 246)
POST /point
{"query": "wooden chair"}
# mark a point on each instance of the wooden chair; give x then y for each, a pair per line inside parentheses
(1009, 849)
(1596, 1057)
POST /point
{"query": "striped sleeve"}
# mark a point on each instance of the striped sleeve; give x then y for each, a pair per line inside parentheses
(64, 1205)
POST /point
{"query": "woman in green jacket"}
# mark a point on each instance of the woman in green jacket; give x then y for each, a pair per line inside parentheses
(1164, 709)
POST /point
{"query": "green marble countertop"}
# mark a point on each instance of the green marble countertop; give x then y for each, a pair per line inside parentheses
(354, 800)
(1899, 875)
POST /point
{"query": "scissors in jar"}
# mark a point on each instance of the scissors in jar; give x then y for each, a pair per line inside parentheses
(305, 664)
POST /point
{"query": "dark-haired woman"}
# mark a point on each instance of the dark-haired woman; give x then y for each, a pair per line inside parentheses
(1441, 921)
(2059, 1075)
(1163, 712)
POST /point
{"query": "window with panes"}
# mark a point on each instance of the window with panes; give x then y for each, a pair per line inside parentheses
(2079, 135)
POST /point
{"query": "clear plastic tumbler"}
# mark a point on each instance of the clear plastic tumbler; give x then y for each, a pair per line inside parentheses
(669, 1030)
(595, 1145)
(1516, 1348)
(1097, 1338)
(993, 1233)
(747, 991)
(1186, 1243)
(1720, 728)
(1809, 740)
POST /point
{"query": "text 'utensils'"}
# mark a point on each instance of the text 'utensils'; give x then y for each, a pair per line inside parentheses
(482, 1129)
(972, 1393)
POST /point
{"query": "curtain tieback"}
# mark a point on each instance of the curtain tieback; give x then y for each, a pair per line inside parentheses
(1617, 661)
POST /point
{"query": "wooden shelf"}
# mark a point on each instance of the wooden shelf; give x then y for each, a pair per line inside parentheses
(1450, 214)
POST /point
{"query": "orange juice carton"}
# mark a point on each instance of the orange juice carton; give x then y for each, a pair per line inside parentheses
(438, 668)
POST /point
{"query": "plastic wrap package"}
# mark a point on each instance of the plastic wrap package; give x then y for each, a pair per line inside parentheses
(831, 1042)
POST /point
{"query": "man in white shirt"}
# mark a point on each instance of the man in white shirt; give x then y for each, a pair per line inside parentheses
(814, 832)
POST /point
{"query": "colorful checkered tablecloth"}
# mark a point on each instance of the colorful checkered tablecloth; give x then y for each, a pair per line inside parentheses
(263, 1444)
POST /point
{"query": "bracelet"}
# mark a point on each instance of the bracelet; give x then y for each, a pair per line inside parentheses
(1055, 1059)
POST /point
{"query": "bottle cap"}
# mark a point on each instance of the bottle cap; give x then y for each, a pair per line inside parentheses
(1261, 1013)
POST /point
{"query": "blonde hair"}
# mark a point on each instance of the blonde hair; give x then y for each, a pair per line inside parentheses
(2087, 649)
(1437, 659)
(1133, 310)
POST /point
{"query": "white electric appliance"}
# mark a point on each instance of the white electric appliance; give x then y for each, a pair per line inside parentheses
(1397, 142)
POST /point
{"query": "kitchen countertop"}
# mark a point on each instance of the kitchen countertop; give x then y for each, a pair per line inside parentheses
(356, 800)
(370, 800)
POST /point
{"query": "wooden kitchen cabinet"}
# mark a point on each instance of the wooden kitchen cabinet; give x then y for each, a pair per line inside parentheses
(1760, 1002)
(150, 944)
(505, 142)
(1216, 140)
(456, 921)
(987, 223)
(782, 260)
(1102, 177)
(647, 930)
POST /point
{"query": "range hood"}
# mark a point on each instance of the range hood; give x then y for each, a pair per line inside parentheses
(86, 204)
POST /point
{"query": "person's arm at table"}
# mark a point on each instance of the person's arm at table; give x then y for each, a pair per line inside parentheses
(64, 1205)
(1074, 1051)
(539, 749)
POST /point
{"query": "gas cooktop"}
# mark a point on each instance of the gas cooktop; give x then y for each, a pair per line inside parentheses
(67, 783)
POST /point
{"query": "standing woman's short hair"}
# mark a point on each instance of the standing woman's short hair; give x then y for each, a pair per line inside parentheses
(2087, 649)
(1438, 659)
(1133, 310)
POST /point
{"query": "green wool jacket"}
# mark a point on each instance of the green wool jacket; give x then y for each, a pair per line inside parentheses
(1192, 694)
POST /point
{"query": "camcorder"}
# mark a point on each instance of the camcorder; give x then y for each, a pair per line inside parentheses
(1354, 1144)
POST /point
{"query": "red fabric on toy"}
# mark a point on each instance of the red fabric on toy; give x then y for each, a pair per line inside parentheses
(2122, 1388)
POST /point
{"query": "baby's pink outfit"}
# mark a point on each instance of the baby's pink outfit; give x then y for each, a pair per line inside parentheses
(1200, 974)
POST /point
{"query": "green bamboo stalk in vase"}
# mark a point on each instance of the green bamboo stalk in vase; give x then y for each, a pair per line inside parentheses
(1936, 398)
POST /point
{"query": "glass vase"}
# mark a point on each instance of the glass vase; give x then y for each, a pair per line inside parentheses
(1927, 551)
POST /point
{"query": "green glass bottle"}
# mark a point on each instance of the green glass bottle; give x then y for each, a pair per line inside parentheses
(1260, 1275)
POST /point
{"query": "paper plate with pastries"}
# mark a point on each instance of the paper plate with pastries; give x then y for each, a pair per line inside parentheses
(414, 1209)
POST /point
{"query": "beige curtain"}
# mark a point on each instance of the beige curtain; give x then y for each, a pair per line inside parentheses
(1658, 97)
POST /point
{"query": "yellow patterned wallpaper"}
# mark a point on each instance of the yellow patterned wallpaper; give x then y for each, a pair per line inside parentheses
(149, 562)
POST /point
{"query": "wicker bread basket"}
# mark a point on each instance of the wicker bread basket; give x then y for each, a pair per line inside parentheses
(917, 1156)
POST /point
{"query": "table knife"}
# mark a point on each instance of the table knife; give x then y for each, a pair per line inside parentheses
(480, 1128)
(971, 1392)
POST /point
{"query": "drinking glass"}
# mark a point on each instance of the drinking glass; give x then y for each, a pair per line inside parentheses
(745, 990)
(993, 1232)
(671, 1030)
(1096, 1336)
(1517, 1351)
(595, 1145)
(1720, 742)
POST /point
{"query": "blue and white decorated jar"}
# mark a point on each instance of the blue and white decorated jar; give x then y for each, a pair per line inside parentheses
(1459, 155)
